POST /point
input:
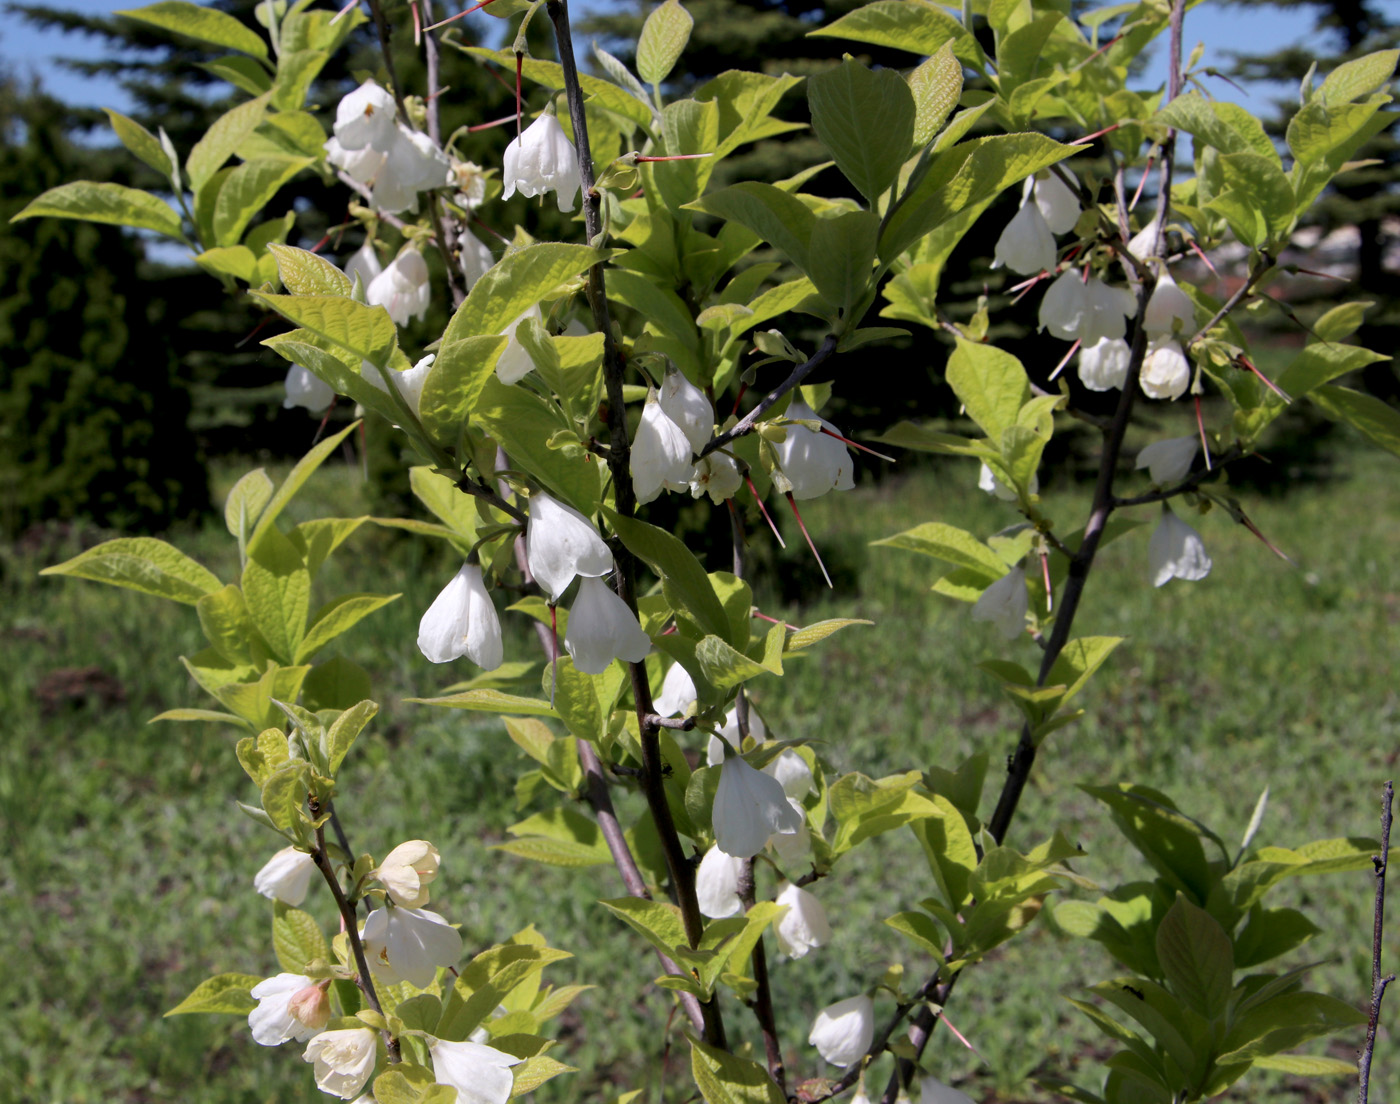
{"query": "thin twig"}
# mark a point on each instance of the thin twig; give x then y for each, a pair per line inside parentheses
(446, 231)
(1256, 273)
(368, 196)
(1378, 983)
(745, 424)
(1190, 483)
(682, 872)
(381, 26)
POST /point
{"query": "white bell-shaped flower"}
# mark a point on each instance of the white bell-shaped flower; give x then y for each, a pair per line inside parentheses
(407, 944)
(843, 1032)
(542, 159)
(933, 1091)
(365, 264)
(814, 463)
(366, 118)
(412, 164)
(792, 772)
(561, 543)
(402, 288)
(1176, 551)
(462, 621)
(1168, 461)
(306, 389)
(749, 807)
(407, 871)
(1141, 244)
(660, 455)
(1057, 203)
(677, 693)
(514, 363)
(1103, 366)
(1169, 310)
(1004, 603)
(272, 1022)
(1026, 246)
(1108, 311)
(286, 876)
(473, 258)
(343, 1059)
(1064, 306)
(729, 734)
(804, 926)
(717, 884)
(602, 628)
(480, 1074)
(1166, 373)
(717, 475)
(686, 405)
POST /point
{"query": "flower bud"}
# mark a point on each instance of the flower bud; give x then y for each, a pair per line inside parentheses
(286, 876)
(310, 1006)
(843, 1031)
(407, 871)
(1166, 373)
(273, 1021)
(813, 463)
(1169, 310)
(1176, 551)
(804, 926)
(1103, 365)
(717, 884)
(1026, 246)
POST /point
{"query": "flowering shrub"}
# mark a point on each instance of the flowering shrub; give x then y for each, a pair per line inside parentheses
(578, 380)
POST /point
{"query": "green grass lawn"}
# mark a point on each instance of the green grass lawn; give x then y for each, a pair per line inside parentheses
(129, 869)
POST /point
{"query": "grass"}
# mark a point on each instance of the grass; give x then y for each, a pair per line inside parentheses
(129, 868)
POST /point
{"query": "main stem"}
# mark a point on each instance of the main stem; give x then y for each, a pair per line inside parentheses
(1378, 983)
(619, 462)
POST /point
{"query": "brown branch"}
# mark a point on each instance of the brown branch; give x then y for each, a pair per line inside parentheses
(745, 424)
(1260, 269)
(763, 995)
(1190, 483)
(446, 233)
(1378, 983)
(381, 26)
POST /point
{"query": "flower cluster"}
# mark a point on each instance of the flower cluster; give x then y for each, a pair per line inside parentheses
(373, 148)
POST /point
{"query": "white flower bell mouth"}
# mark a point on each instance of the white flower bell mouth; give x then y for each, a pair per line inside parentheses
(1176, 551)
(540, 160)
(750, 806)
(602, 628)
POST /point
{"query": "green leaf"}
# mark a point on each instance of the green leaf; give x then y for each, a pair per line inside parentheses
(725, 667)
(1165, 838)
(296, 938)
(1197, 957)
(667, 555)
(1076, 664)
(1354, 79)
(865, 118)
(304, 273)
(1319, 363)
(950, 544)
(142, 563)
(780, 219)
(535, 1071)
(367, 332)
(725, 1078)
(576, 699)
(114, 204)
(820, 630)
(140, 141)
(454, 385)
(558, 837)
(1286, 1021)
(344, 730)
(658, 922)
(936, 85)
(244, 503)
(841, 253)
(247, 191)
(227, 993)
(1378, 422)
(284, 794)
(918, 26)
(243, 73)
(335, 684)
(277, 588)
(966, 178)
(990, 383)
(227, 133)
(486, 981)
(516, 283)
(200, 23)
(490, 701)
(921, 930)
(1306, 1065)
(662, 41)
(1270, 933)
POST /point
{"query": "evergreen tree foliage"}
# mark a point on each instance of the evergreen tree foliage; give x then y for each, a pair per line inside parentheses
(93, 413)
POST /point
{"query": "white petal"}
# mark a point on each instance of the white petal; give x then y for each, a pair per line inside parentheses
(660, 455)
(814, 463)
(272, 1022)
(462, 621)
(514, 363)
(1065, 306)
(1026, 246)
(286, 876)
(749, 807)
(480, 1074)
(792, 774)
(365, 118)
(1057, 203)
(602, 628)
(1170, 309)
(677, 693)
(1103, 365)
(1004, 603)
(561, 543)
(1166, 373)
(1176, 551)
(844, 1031)
(686, 405)
(804, 926)
(717, 884)
(1168, 461)
(306, 389)
(405, 944)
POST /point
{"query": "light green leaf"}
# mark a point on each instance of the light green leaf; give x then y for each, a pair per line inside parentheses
(865, 117)
(951, 545)
(490, 701)
(841, 254)
(367, 332)
(304, 273)
(113, 204)
(226, 134)
(277, 588)
(333, 366)
(919, 26)
(226, 993)
(725, 1078)
(820, 630)
(658, 922)
(299, 474)
(1354, 79)
(558, 837)
(517, 282)
(344, 730)
(454, 384)
(1306, 1065)
(246, 191)
(1319, 363)
(990, 383)
(1076, 664)
(667, 555)
(339, 616)
(296, 938)
(142, 563)
(725, 667)
(936, 85)
(243, 73)
(140, 141)
(576, 699)
(487, 981)
(1375, 420)
(284, 794)
(200, 23)
(778, 218)
(662, 41)
(244, 503)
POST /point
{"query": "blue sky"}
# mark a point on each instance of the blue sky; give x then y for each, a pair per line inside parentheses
(29, 51)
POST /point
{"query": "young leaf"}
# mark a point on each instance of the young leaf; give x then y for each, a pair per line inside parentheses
(865, 118)
(1197, 957)
(201, 24)
(296, 938)
(662, 41)
(114, 204)
(142, 563)
(227, 993)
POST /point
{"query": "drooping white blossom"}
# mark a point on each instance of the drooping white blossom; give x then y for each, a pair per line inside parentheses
(365, 117)
(1176, 551)
(749, 807)
(677, 693)
(686, 405)
(843, 1032)
(660, 455)
(480, 1074)
(729, 734)
(1084, 311)
(304, 388)
(462, 621)
(934, 1091)
(407, 871)
(804, 926)
(1169, 310)
(514, 363)
(286, 876)
(407, 944)
(717, 475)
(1168, 461)
(561, 543)
(402, 288)
(717, 884)
(1004, 603)
(1103, 366)
(1057, 203)
(1166, 373)
(540, 160)
(272, 1022)
(1064, 306)
(1026, 246)
(410, 162)
(343, 1059)
(1108, 311)
(602, 628)
(792, 772)
(814, 463)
